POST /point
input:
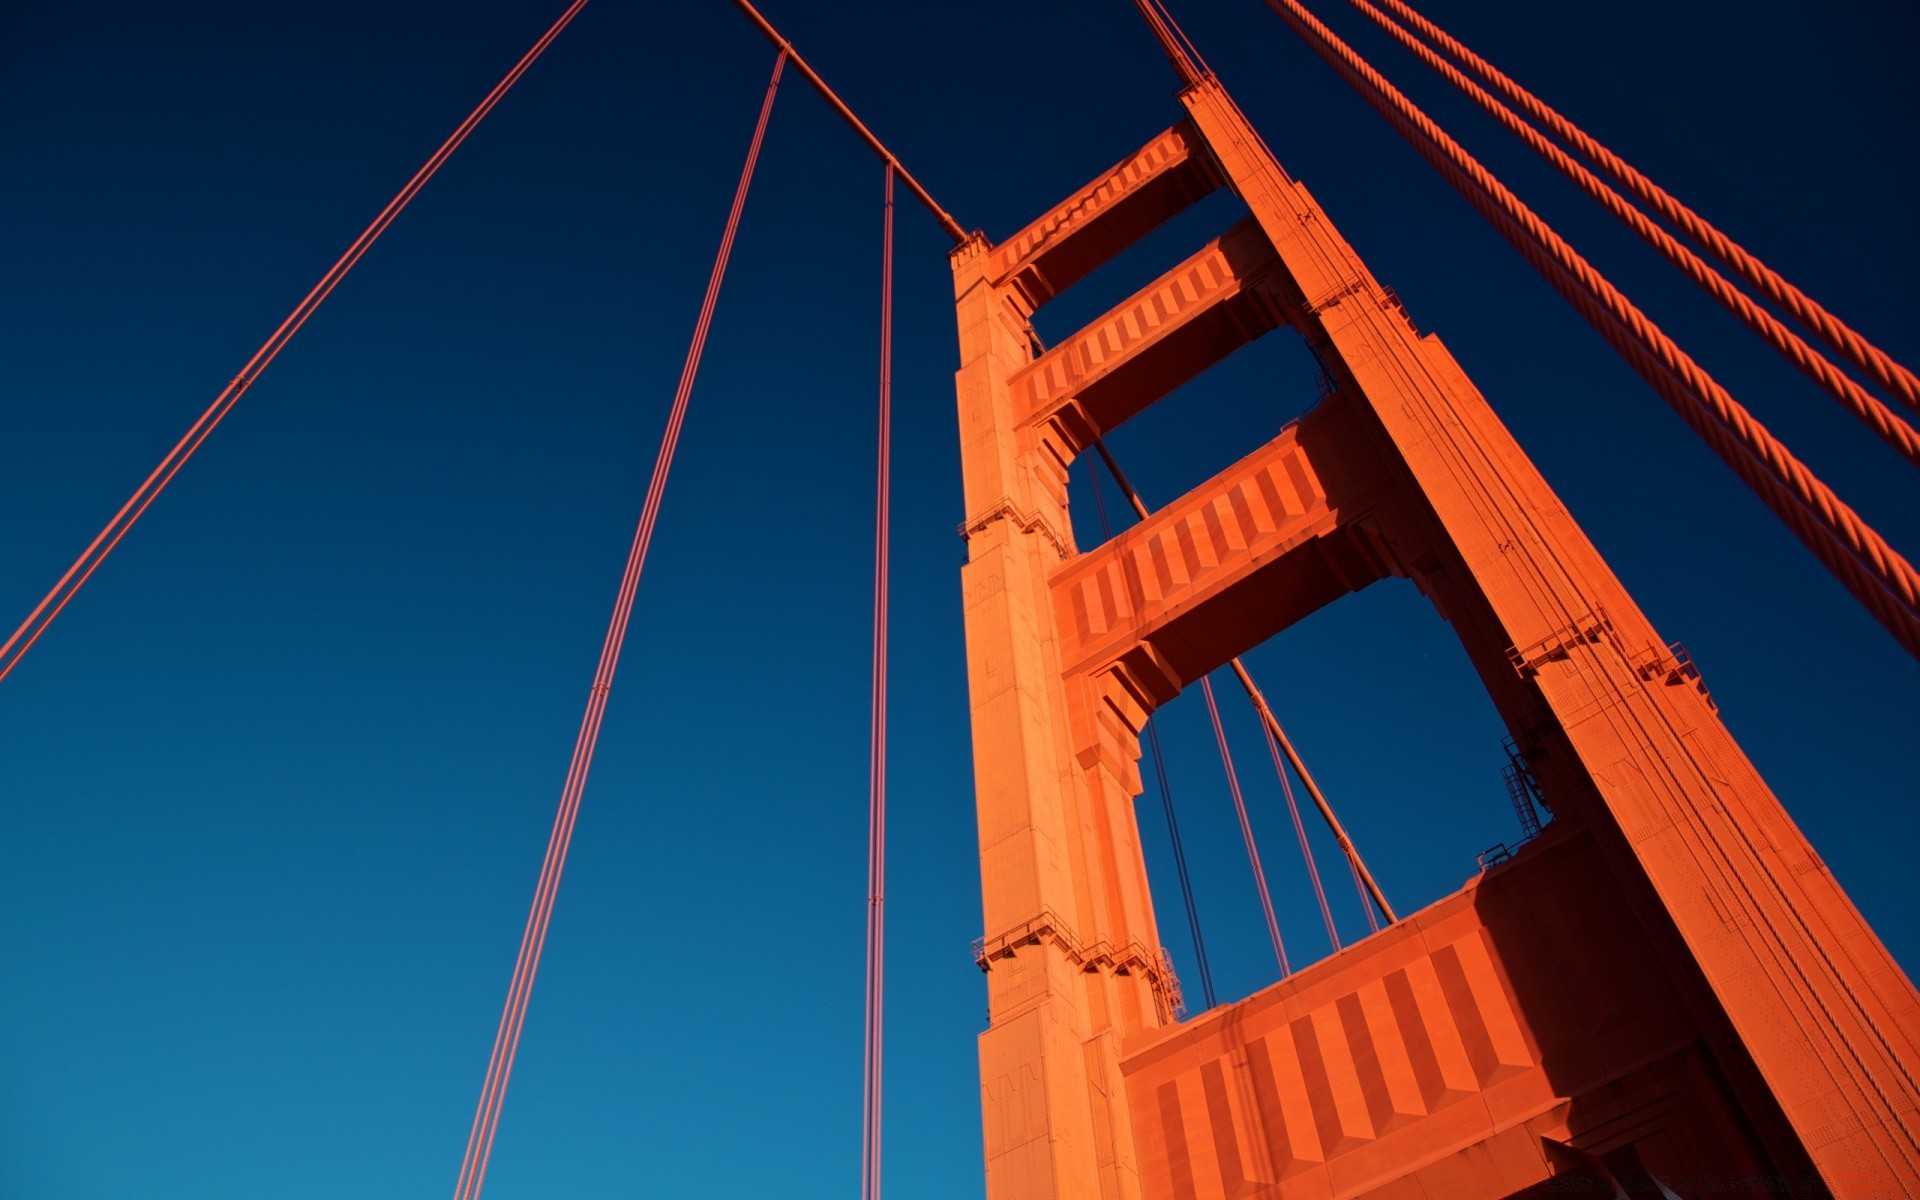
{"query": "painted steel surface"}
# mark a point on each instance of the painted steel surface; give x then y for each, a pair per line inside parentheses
(1669, 985)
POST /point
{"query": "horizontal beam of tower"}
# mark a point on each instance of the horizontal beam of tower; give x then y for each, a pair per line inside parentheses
(1128, 201)
(1280, 738)
(1234, 561)
(1183, 322)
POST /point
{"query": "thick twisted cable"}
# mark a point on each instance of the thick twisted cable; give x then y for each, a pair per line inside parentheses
(1877, 575)
(1845, 341)
(1409, 121)
(1815, 365)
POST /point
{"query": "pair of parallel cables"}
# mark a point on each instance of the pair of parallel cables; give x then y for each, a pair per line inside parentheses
(76, 576)
(513, 1017)
(486, 1121)
(1883, 580)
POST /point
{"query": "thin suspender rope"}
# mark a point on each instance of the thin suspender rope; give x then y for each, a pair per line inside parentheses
(1246, 829)
(486, 1119)
(1272, 723)
(877, 779)
(83, 567)
(1300, 831)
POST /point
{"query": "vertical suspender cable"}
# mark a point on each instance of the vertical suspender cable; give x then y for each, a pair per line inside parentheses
(1850, 345)
(1246, 829)
(914, 187)
(1369, 886)
(486, 1119)
(83, 567)
(1180, 865)
(877, 775)
(1166, 795)
(1300, 831)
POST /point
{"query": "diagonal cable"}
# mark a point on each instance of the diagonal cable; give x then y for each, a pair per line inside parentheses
(486, 1119)
(1891, 427)
(76, 576)
(1851, 345)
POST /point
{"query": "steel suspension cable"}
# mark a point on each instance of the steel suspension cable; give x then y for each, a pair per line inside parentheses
(473, 1167)
(877, 763)
(1166, 794)
(76, 576)
(1360, 871)
(1181, 52)
(1306, 848)
(1272, 724)
(1180, 865)
(1884, 582)
(1360, 889)
(1891, 427)
(1246, 828)
(1855, 348)
(800, 64)
(1628, 331)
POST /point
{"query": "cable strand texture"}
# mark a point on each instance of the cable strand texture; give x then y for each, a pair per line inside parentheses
(1891, 427)
(1852, 346)
(1877, 575)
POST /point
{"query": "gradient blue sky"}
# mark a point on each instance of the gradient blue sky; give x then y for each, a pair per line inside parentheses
(273, 792)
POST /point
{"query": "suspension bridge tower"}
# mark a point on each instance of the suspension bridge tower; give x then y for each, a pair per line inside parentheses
(1667, 985)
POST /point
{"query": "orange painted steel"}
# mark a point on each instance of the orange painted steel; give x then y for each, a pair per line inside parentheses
(1159, 758)
(807, 72)
(1855, 348)
(1278, 735)
(1882, 579)
(1666, 983)
(1891, 427)
(76, 576)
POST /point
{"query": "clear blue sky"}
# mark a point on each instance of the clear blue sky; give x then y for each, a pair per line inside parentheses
(273, 792)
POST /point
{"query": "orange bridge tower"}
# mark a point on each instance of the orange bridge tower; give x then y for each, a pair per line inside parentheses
(1668, 985)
